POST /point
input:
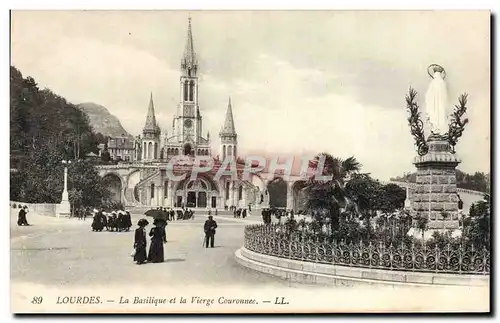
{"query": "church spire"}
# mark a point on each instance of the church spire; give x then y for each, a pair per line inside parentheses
(228, 128)
(150, 125)
(189, 61)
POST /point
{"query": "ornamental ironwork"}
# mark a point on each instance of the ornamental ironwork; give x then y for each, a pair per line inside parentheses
(274, 240)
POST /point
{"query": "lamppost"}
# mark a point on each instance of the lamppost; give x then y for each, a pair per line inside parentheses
(64, 207)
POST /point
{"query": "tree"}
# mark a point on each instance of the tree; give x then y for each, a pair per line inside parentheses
(277, 190)
(45, 129)
(392, 197)
(89, 188)
(421, 223)
(477, 229)
(329, 195)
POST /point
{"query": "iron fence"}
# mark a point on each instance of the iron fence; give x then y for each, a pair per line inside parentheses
(274, 240)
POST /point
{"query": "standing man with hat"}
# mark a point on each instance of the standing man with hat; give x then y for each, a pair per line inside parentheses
(209, 227)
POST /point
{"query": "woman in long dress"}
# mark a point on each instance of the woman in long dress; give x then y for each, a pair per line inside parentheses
(140, 242)
(156, 248)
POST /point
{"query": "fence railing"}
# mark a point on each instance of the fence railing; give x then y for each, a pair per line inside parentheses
(274, 240)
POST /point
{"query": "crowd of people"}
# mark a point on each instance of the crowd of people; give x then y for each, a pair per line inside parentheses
(159, 237)
(279, 214)
(117, 220)
(240, 213)
(173, 215)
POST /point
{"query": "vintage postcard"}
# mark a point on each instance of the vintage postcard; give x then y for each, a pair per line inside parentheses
(250, 161)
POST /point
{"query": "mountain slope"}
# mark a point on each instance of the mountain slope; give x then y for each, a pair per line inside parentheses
(102, 121)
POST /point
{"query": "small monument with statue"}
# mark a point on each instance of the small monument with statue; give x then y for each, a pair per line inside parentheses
(434, 197)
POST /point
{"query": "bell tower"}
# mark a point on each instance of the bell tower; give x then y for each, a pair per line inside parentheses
(187, 138)
(151, 135)
(189, 114)
(228, 136)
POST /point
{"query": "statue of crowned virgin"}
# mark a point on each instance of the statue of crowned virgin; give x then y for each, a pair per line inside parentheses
(436, 102)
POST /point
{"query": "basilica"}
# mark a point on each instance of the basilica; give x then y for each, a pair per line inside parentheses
(148, 184)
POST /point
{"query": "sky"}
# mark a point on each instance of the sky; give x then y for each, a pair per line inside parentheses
(300, 82)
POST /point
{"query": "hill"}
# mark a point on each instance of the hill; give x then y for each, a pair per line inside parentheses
(102, 121)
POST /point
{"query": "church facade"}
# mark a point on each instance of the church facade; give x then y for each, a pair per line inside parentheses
(145, 181)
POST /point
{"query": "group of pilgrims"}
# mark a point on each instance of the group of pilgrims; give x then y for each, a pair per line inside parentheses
(268, 213)
(118, 220)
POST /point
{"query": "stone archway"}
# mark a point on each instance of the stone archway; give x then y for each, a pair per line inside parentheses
(196, 193)
(188, 150)
(114, 184)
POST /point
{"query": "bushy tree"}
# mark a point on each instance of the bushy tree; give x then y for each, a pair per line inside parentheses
(46, 129)
(329, 196)
(89, 189)
(477, 228)
(277, 190)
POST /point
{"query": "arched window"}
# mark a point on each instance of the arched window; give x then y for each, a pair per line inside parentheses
(176, 151)
(165, 189)
(229, 151)
(223, 152)
(152, 190)
(191, 91)
(227, 191)
(235, 152)
(155, 153)
(186, 89)
(240, 193)
(150, 150)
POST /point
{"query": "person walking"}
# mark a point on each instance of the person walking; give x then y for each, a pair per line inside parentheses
(209, 228)
(21, 217)
(157, 235)
(140, 242)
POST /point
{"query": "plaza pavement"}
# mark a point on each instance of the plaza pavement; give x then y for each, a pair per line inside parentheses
(62, 256)
(66, 252)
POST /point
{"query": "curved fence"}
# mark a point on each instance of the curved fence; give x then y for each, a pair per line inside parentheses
(272, 240)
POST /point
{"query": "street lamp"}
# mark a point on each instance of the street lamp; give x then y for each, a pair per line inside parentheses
(64, 207)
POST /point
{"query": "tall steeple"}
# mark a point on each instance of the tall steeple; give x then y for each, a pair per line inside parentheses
(189, 63)
(150, 135)
(228, 136)
(150, 125)
(228, 128)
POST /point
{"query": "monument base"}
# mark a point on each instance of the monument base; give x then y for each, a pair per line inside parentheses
(435, 194)
(64, 209)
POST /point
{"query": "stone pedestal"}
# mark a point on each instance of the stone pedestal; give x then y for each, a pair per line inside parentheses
(64, 209)
(435, 193)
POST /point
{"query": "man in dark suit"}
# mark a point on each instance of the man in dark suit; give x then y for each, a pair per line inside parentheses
(209, 228)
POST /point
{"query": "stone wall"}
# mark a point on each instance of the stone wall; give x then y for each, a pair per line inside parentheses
(434, 194)
(46, 209)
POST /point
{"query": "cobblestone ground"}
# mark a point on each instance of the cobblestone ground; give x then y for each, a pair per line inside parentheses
(57, 257)
(66, 252)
